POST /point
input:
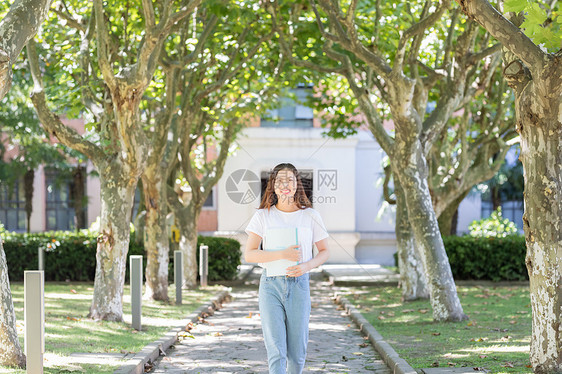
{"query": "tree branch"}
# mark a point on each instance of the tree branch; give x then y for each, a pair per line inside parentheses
(102, 40)
(385, 188)
(16, 28)
(417, 29)
(509, 35)
(50, 121)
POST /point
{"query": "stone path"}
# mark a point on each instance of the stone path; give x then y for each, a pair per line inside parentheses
(231, 341)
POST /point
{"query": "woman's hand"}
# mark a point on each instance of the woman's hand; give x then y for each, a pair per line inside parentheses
(292, 253)
(298, 270)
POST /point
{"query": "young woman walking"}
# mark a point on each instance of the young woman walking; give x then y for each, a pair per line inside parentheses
(284, 301)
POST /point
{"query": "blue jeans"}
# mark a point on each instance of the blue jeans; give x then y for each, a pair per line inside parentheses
(285, 311)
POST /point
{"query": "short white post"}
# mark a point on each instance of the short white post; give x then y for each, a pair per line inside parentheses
(34, 316)
(136, 290)
(203, 264)
(178, 274)
(40, 258)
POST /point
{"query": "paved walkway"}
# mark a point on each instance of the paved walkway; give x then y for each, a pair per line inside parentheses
(231, 341)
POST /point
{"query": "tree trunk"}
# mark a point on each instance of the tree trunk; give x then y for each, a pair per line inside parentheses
(412, 173)
(187, 221)
(156, 243)
(496, 198)
(17, 27)
(28, 178)
(10, 349)
(412, 279)
(78, 196)
(540, 120)
(449, 217)
(117, 195)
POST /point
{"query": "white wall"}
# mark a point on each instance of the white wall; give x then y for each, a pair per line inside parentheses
(469, 210)
(260, 149)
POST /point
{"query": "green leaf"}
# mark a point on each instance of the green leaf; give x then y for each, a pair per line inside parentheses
(515, 5)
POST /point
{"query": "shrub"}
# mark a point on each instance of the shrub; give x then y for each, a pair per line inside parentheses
(480, 258)
(72, 256)
(493, 226)
(491, 258)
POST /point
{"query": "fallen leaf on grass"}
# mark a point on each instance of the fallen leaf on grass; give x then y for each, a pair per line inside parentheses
(407, 311)
(508, 365)
(451, 363)
(72, 318)
(435, 364)
(482, 356)
(477, 369)
(477, 339)
(513, 322)
(435, 333)
(73, 291)
(423, 311)
(381, 317)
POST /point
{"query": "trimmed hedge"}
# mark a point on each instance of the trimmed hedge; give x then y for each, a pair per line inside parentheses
(496, 259)
(479, 258)
(72, 256)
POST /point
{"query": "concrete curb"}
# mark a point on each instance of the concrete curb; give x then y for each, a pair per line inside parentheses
(395, 363)
(153, 350)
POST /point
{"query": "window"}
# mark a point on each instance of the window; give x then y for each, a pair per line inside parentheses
(512, 210)
(210, 203)
(60, 204)
(291, 113)
(12, 206)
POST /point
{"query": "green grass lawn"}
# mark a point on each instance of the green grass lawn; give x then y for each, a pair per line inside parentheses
(496, 337)
(68, 330)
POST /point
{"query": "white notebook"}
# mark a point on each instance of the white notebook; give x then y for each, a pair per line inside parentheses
(276, 239)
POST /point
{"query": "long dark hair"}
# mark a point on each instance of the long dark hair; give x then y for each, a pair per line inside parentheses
(270, 198)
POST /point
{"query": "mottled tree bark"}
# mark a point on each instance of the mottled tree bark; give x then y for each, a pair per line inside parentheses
(410, 160)
(186, 216)
(536, 78)
(117, 193)
(412, 278)
(156, 243)
(11, 353)
(19, 25)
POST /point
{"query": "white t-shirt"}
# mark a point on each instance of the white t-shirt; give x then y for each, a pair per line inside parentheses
(310, 227)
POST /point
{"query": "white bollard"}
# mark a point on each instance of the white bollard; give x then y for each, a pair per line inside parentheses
(41, 258)
(136, 290)
(34, 315)
(178, 274)
(203, 264)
